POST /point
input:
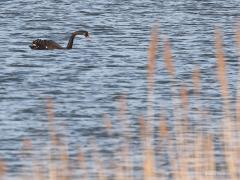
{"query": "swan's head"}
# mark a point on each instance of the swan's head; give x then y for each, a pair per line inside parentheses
(85, 33)
(37, 44)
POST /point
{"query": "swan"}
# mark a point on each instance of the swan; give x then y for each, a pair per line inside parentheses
(40, 44)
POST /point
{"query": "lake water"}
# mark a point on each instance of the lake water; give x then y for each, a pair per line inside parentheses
(86, 82)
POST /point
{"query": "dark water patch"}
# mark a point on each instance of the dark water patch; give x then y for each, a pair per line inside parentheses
(10, 79)
(25, 65)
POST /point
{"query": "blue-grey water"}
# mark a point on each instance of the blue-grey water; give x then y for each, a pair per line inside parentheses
(86, 82)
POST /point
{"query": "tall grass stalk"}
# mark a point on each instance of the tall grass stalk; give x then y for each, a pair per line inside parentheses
(228, 124)
(149, 164)
(83, 165)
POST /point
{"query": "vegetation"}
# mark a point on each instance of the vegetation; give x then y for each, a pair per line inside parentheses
(190, 154)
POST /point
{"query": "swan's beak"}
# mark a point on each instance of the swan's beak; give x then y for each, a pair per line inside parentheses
(88, 37)
(33, 46)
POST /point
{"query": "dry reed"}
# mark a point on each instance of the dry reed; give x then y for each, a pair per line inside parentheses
(228, 123)
(168, 58)
(3, 168)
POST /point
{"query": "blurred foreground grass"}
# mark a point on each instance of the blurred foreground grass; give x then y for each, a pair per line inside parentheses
(187, 159)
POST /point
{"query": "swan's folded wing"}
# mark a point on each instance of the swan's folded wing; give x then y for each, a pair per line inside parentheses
(50, 44)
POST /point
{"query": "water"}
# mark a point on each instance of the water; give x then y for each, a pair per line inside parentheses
(85, 82)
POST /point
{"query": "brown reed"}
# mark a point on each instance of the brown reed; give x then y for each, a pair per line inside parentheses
(228, 123)
(3, 169)
(51, 116)
(98, 162)
(168, 57)
(198, 158)
(83, 165)
(126, 150)
(237, 127)
(210, 156)
(221, 66)
(123, 116)
(149, 159)
(152, 56)
(107, 123)
(196, 81)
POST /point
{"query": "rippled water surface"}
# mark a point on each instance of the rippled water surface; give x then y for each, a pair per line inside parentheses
(85, 82)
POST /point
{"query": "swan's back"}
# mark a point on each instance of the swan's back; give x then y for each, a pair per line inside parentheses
(45, 44)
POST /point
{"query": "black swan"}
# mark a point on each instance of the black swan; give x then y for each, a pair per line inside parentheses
(40, 44)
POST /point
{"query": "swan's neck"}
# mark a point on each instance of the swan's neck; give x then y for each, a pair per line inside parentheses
(70, 42)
